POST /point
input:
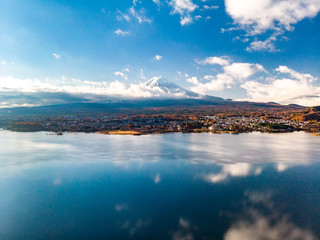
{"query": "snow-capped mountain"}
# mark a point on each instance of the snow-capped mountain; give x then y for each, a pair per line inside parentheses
(166, 88)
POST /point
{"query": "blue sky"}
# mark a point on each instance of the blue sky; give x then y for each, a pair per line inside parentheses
(258, 50)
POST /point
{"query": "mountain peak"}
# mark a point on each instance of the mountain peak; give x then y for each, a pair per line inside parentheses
(169, 88)
(160, 82)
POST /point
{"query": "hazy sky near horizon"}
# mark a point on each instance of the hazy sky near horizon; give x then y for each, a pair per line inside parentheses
(259, 50)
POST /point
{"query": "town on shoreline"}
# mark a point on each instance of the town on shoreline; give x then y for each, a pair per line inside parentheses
(164, 123)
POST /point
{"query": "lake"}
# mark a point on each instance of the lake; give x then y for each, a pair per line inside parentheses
(171, 186)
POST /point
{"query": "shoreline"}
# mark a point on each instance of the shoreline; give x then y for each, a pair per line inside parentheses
(140, 133)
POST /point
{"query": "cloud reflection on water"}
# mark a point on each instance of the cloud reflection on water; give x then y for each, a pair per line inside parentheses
(183, 232)
(254, 224)
(230, 170)
(238, 155)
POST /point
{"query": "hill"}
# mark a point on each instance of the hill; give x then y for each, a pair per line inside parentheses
(309, 114)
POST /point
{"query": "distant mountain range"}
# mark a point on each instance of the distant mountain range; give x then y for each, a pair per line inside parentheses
(168, 96)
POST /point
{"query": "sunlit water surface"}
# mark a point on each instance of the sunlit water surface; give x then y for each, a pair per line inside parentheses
(173, 186)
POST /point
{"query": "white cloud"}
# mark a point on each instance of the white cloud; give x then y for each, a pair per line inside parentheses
(157, 57)
(71, 86)
(300, 76)
(186, 20)
(206, 7)
(121, 74)
(242, 71)
(232, 73)
(298, 89)
(139, 15)
(56, 56)
(184, 8)
(257, 17)
(3, 62)
(258, 45)
(119, 32)
(122, 16)
(133, 14)
(214, 60)
(16, 92)
(216, 83)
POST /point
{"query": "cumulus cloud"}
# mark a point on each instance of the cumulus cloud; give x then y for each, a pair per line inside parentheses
(300, 76)
(3, 62)
(214, 60)
(266, 45)
(186, 20)
(257, 17)
(286, 87)
(214, 83)
(56, 55)
(120, 32)
(16, 92)
(232, 73)
(242, 71)
(298, 88)
(157, 57)
(122, 74)
(184, 8)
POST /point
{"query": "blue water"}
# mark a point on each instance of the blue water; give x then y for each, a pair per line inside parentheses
(172, 186)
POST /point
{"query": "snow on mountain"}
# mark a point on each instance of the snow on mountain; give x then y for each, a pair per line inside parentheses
(163, 87)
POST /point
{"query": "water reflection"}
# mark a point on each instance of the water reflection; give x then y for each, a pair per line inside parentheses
(234, 153)
(176, 186)
(232, 170)
(255, 224)
(184, 231)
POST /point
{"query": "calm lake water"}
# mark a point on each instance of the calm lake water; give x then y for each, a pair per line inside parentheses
(173, 186)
